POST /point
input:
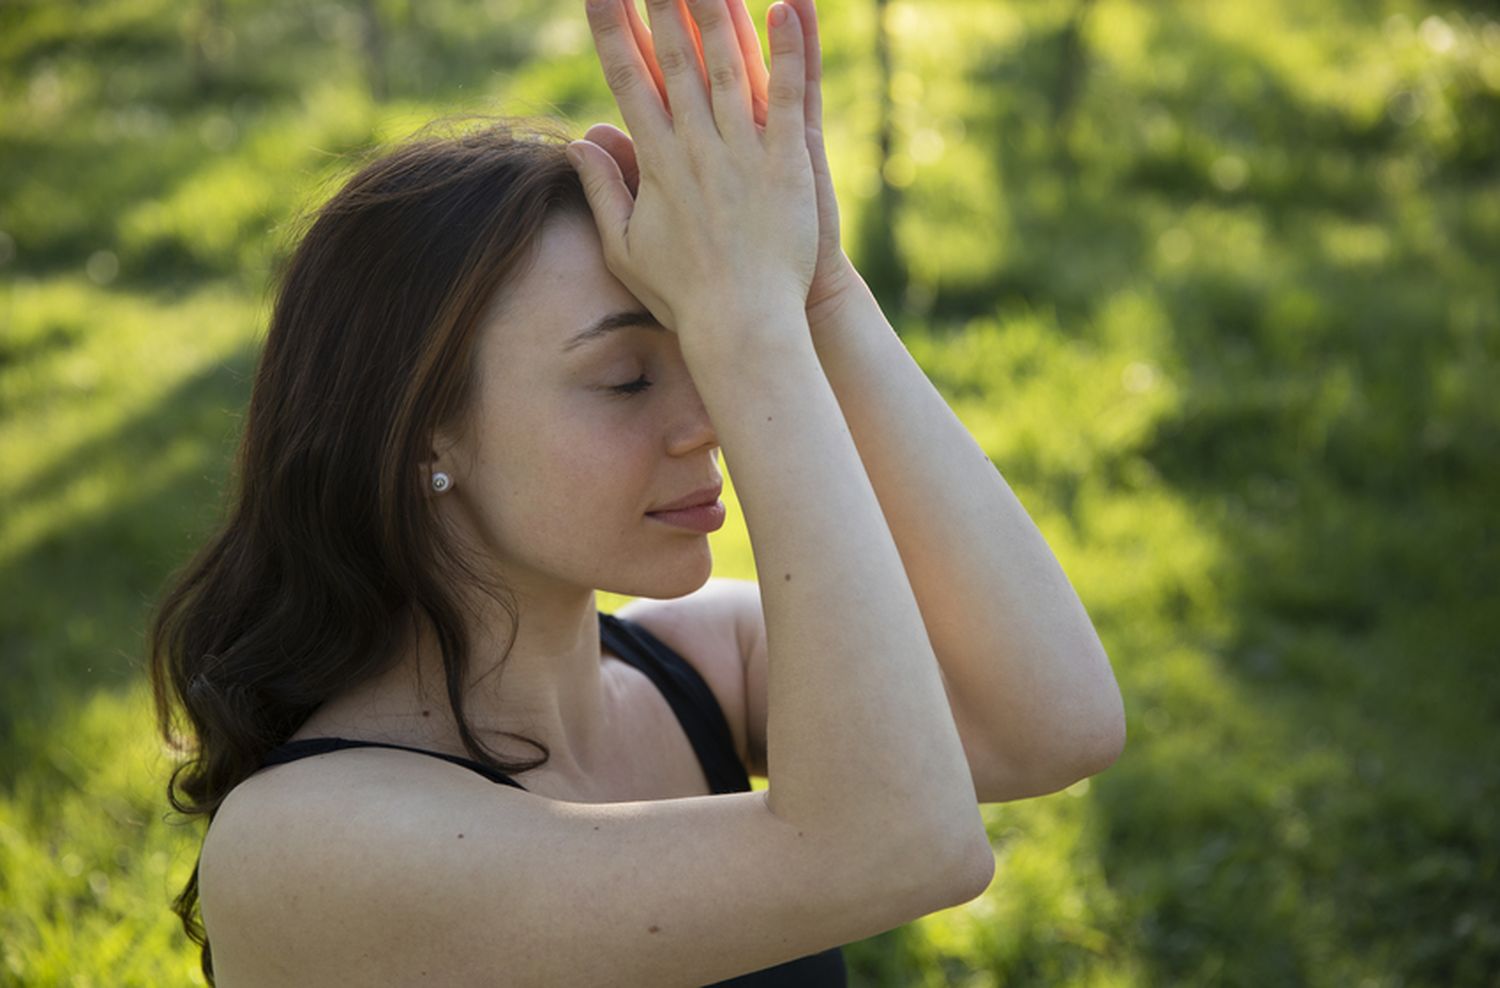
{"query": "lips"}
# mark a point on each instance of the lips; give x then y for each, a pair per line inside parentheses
(705, 495)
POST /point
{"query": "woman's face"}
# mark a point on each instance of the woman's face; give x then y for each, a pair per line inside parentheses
(560, 467)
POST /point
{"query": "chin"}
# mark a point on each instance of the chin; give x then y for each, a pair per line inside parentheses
(677, 578)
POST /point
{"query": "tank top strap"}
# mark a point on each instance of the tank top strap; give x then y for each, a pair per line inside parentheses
(307, 747)
(691, 699)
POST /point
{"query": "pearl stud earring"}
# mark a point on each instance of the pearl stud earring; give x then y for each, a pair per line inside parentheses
(440, 481)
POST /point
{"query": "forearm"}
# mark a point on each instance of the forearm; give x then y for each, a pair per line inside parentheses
(859, 733)
(1015, 643)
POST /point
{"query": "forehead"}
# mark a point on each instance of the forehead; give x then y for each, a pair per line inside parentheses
(565, 287)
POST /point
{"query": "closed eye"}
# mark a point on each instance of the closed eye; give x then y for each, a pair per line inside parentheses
(634, 387)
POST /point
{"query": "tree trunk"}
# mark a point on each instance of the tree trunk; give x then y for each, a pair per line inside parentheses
(880, 253)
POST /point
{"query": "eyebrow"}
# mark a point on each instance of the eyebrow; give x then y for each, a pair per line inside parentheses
(631, 319)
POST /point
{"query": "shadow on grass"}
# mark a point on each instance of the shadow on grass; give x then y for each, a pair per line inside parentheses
(83, 589)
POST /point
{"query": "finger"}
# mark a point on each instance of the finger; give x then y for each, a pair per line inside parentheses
(626, 73)
(697, 46)
(604, 188)
(812, 52)
(755, 59)
(644, 42)
(677, 54)
(729, 87)
(621, 148)
(788, 82)
(648, 51)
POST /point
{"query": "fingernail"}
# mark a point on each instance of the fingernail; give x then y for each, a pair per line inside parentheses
(574, 157)
(778, 14)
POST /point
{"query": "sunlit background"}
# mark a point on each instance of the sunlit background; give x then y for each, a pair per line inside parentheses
(1215, 285)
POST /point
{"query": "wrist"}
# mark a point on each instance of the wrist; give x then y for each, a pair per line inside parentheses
(738, 334)
(845, 316)
(837, 305)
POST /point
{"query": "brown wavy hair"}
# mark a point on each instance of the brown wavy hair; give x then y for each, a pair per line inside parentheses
(329, 537)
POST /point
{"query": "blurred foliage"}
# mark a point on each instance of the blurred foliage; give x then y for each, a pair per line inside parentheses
(1214, 285)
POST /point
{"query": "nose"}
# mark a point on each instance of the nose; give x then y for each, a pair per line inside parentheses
(694, 429)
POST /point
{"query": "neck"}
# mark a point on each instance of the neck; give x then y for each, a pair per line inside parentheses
(550, 687)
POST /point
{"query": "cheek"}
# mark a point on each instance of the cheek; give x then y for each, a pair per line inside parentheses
(598, 462)
(572, 457)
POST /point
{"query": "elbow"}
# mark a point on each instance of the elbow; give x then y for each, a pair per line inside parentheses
(1103, 745)
(1114, 730)
(1102, 741)
(1107, 741)
(967, 871)
(1093, 747)
(941, 871)
(1083, 741)
(969, 860)
(975, 873)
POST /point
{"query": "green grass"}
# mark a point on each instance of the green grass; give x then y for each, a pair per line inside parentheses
(1229, 329)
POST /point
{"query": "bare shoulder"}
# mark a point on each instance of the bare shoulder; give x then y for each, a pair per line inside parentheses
(709, 628)
(379, 867)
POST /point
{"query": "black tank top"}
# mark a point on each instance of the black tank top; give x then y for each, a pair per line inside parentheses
(704, 723)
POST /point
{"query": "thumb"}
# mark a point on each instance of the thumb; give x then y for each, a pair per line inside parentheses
(609, 197)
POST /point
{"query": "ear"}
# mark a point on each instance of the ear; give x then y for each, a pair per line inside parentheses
(443, 455)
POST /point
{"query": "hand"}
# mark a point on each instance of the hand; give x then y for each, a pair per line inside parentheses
(724, 218)
(834, 275)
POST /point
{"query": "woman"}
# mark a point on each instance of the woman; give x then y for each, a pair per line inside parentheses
(484, 383)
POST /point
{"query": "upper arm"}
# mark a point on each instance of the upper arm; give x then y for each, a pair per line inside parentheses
(721, 629)
(392, 878)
